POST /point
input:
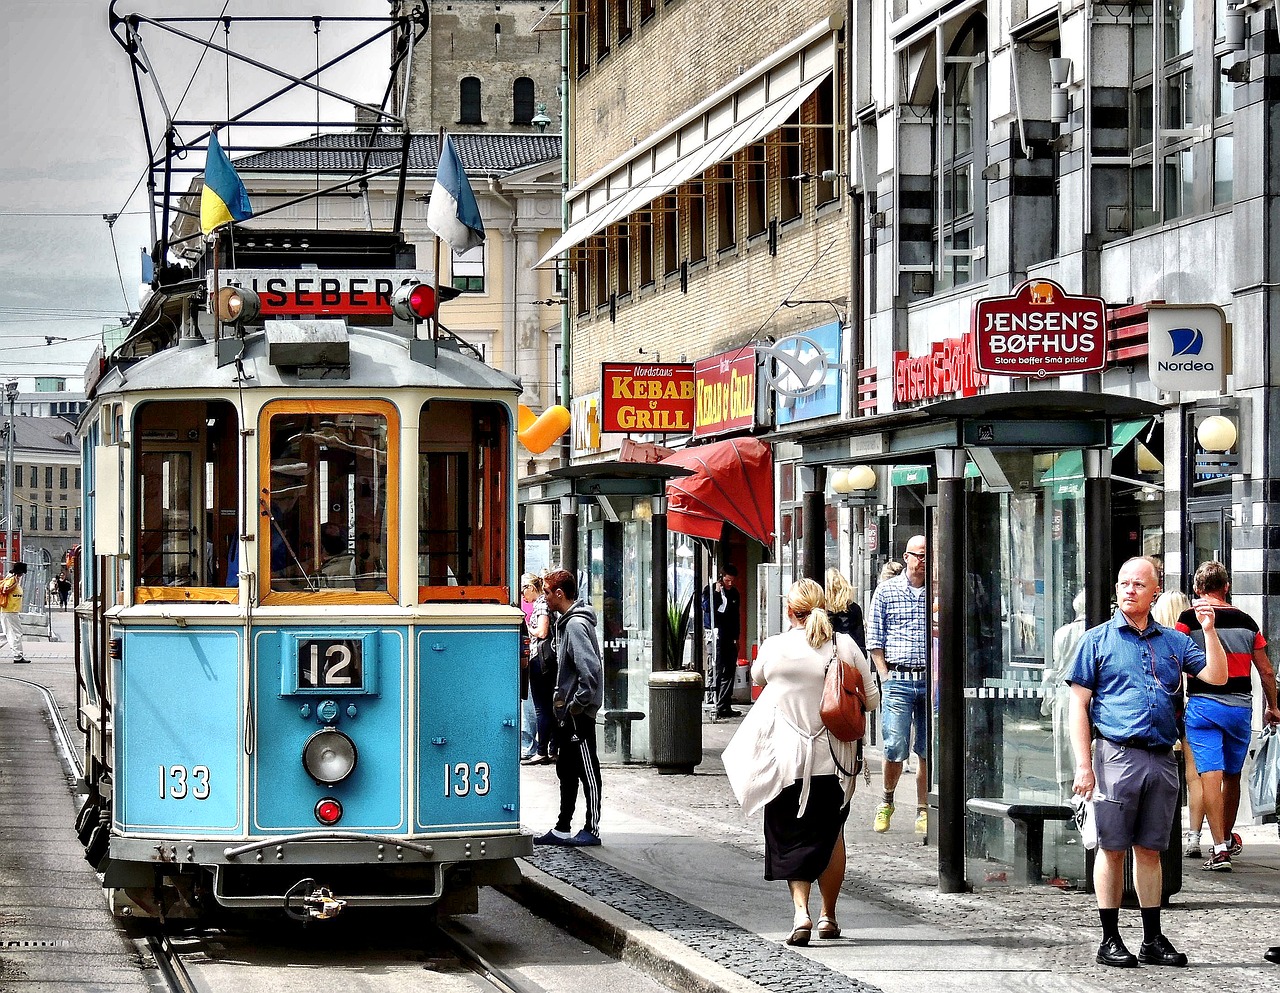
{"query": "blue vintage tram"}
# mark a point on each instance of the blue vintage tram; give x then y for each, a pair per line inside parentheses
(298, 649)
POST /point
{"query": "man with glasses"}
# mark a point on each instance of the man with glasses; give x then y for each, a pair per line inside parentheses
(898, 639)
(1125, 683)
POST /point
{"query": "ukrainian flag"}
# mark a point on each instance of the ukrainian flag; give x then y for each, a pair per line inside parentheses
(224, 198)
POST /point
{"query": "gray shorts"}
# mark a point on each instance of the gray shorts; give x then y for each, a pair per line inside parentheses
(1136, 796)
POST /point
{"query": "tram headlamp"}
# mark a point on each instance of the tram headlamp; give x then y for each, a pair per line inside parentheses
(414, 302)
(235, 305)
(329, 756)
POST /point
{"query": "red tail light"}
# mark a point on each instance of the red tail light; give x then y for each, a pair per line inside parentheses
(328, 811)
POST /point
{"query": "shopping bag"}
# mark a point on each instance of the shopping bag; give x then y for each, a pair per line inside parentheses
(1266, 770)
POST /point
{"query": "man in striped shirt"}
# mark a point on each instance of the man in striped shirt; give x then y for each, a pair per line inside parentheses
(1219, 719)
(898, 638)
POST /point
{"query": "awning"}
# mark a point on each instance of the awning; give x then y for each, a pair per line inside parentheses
(689, 164)
(1069, 466)
(732, 483)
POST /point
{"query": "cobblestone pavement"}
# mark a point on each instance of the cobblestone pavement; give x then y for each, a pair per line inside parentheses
(1223, 922)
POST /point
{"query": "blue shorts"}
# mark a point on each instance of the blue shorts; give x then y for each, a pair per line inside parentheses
(902, 705)
(1218, 734)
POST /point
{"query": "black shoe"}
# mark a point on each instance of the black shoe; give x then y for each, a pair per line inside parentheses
(1161, 952)
(20, 661)
(1113, 952)
(1272, 954)
(729, 713)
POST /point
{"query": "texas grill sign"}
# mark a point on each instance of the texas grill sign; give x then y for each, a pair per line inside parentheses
(652, 399)
(1041, 330)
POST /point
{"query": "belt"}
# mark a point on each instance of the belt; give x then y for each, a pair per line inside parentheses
(911, 672)
(1142, 744)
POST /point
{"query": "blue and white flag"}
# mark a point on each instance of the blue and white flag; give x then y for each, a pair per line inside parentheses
(452, 213)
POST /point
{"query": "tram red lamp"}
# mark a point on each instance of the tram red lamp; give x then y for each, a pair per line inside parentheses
(236, 305)
(329, 756)
(414, 302)
(328, 811)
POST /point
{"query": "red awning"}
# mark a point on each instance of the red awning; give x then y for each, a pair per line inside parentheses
(732, 483)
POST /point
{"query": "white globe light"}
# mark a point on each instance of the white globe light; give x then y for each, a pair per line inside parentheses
(840, 481)
(862, 477)
(1216, 434)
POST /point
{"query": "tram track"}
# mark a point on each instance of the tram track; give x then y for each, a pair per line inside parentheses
(188, 969)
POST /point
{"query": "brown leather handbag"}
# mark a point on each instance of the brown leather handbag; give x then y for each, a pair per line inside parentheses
(844, 700)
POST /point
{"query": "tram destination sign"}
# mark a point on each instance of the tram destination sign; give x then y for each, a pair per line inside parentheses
(355, 292)
(1039, 331)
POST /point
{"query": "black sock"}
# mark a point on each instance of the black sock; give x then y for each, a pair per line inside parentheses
(1150, 923)
(1110, 923)
(888, 797)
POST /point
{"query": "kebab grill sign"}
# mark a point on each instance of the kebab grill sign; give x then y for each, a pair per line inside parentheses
(1039, 331)
(650, 398)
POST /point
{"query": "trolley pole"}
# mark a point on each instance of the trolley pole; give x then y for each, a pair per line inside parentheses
(11, 394)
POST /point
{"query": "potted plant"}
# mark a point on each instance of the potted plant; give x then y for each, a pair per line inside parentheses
(678, 617)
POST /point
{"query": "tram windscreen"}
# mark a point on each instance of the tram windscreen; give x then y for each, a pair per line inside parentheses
(325, 511)
(463, 504)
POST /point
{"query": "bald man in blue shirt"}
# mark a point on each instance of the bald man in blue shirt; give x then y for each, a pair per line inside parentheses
(1125, 683)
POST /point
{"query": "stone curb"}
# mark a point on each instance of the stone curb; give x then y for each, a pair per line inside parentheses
(640, 946)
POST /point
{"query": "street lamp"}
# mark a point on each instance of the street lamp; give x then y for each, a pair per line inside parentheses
(540, 120)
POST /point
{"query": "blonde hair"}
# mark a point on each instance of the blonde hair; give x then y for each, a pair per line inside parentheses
(1169, 606)
(806, 602)
(891, 569)
(840, 592)
(532, 579)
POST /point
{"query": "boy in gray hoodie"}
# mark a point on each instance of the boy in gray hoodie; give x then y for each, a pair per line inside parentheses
(576, 700)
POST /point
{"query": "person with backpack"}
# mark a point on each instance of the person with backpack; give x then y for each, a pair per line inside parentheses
(11, 607)
(784, 760)
(542, 669)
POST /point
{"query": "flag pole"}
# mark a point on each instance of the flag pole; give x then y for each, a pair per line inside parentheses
(435, 322)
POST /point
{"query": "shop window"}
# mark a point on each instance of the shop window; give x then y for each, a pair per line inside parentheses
(328, 502)
(467, 270)
(644, 245)
(790, 180)
(1223, 171)
(463, 479)
(522, 101)
(756, 188)
(697, 216)
(726, 207)
(622, 246)
(602, 28)
(824, 141)
(186, 470)
(670, 235)
(469, 101)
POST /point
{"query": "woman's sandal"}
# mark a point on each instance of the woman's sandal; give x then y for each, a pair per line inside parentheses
(827, 928)
(800, 933)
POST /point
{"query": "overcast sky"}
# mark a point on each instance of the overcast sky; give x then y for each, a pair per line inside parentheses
(73, 149)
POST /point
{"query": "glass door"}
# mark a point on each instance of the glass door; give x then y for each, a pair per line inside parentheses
(1208, 539)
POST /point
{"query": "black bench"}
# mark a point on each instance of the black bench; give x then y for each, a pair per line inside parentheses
(618, 722)
(1028, 818)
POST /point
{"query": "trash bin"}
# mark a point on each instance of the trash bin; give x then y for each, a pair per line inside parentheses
(675, 715)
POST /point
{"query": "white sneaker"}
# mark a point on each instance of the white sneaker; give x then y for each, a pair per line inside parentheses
(1191, 841)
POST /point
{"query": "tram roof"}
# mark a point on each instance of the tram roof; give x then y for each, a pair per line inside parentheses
(379, 361)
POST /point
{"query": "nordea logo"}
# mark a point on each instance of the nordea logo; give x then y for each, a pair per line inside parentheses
(1186, 341)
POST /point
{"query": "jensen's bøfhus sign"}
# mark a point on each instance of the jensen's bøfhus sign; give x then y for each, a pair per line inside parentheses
(649, 398)
(1041, 330)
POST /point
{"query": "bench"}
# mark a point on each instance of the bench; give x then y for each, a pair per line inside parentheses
(1028, 818)
(617, 724)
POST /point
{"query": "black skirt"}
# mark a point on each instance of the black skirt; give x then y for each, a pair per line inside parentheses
(800, 848)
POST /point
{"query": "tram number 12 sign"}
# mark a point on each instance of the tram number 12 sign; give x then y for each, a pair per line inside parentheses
(1041, 330)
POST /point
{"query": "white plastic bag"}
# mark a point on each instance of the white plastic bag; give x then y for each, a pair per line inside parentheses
(1266, 771)
(1085, 823)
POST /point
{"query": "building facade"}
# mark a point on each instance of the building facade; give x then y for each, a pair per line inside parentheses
(46, 487)
(1048, 150)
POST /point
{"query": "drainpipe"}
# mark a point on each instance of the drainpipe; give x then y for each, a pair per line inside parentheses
(513, 265)
(566, 397)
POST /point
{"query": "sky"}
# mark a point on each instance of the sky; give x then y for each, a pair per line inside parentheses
(73, 148)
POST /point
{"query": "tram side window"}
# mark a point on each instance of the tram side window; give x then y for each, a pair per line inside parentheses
(187, 490)
(463, 478)
(326, 511)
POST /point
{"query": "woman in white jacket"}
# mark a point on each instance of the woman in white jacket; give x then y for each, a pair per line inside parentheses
(783, 759)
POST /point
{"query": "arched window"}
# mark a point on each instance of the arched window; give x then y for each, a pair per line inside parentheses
(469, 101)
(522, 101)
